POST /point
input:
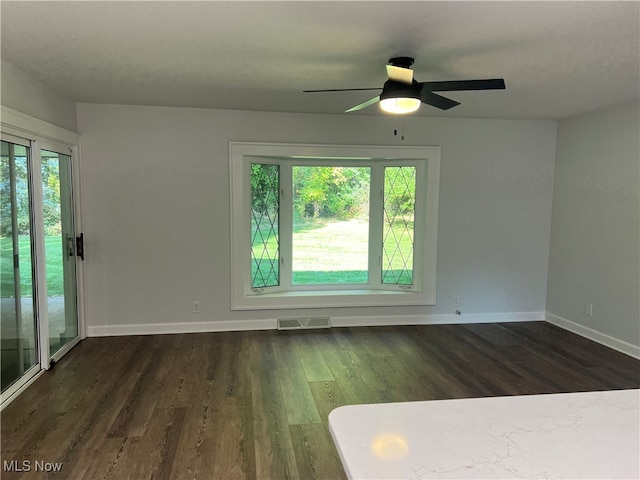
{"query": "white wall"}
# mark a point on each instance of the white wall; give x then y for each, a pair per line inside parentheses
(156, 210)
(21, 92)
(595, 247)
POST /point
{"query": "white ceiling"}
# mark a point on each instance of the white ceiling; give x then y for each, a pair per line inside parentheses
(557, 58)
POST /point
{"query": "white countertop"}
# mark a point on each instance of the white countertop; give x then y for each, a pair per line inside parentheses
(585, 435)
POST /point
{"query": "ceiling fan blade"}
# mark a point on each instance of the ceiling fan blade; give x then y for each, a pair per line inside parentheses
(459, 85)
(438, 101)
(400, 74)
(341, 90)
(364, 104)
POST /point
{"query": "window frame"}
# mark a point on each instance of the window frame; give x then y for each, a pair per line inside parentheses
(244, 297)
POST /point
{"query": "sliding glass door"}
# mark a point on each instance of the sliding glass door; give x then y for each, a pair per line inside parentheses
(18, 340)
(38, 268)
(60, 249)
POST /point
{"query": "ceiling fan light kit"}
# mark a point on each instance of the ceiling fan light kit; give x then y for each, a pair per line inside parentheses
(400, 105)
(401, 94)
(400, 98)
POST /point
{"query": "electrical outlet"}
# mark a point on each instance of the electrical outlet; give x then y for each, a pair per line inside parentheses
(196, 307)
(588, 309)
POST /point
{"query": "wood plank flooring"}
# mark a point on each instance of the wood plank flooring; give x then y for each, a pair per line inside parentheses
(247, 405)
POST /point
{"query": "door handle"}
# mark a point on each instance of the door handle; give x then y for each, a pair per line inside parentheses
(80, 246)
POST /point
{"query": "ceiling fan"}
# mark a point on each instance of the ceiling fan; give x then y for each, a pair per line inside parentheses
(402, 94)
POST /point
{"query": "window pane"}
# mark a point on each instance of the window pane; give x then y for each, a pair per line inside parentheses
(18, 332)
(398, 213)
(265, 218)
(330, 225)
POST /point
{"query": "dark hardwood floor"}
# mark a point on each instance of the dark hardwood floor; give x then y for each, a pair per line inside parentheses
(255, 404)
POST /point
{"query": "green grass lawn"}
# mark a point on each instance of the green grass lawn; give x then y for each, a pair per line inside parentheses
(346, 241)
(348, 244)
(329, 277)
(53, 252)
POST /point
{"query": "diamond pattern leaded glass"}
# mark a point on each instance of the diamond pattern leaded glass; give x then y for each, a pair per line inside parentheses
(265, 219)
(398, 220)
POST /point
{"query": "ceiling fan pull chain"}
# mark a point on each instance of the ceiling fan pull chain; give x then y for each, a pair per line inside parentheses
(395, 130)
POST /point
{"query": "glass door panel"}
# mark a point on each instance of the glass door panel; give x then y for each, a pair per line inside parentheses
(18, 339)
(59, 249)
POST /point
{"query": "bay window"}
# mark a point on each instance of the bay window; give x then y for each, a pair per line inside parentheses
(320, 226)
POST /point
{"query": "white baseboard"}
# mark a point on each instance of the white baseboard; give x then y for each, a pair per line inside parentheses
(591, 334)
(271, 323)
(186, 327)
(438, 319)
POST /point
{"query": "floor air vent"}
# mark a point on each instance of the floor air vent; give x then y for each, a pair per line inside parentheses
(299, 323)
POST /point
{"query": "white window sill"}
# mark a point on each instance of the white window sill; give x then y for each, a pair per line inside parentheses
(332, 298)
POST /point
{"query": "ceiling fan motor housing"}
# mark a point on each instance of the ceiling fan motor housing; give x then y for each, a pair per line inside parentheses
(393, 89)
